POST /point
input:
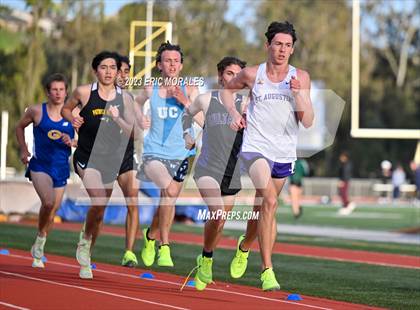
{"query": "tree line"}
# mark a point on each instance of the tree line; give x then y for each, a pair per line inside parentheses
(389, 82)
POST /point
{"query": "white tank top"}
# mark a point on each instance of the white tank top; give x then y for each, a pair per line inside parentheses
(272, 124)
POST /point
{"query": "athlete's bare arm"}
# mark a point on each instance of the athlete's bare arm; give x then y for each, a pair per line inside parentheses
(244, 107)
(80, 96)
(184, 99)
(245, 102)
(198, 107)
(200, 104)
(193, 93)
(187, 100)
(126, 121)
(196, 110)
(67, 140)
(142, 120)
(301, 87)
(31, 115)
(244, 79)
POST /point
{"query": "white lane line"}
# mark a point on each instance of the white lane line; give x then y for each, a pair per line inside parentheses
(179, 284)
(92, 290)
(12, 306)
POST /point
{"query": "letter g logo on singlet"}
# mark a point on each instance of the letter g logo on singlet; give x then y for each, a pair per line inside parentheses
(54, 134)
(165, 112)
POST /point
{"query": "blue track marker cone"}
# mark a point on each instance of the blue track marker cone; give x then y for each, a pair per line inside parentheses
(191, 283)
(147, 275)
(93, 266)
(44, 259)
(4, 252)
(294, 297)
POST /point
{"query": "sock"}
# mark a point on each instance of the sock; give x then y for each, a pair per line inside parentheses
(264, 270)
(207, 254)
(147, 235)
(166, 244)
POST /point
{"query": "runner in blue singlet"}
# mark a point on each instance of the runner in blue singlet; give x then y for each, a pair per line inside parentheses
(48, 169)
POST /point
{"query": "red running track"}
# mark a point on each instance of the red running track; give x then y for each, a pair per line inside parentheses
(59, 287)
(336, 254)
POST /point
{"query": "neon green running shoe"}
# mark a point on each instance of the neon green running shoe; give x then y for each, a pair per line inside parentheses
(239, 262)
(129, 259)
(269, 282)
(164, 256)
(204, 273)
(205, 269)
(199, 285)
(148, 252)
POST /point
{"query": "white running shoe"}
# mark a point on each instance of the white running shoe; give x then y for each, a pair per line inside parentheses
(83, 258)
(347, 210)
(83, 252)
(85, 272)
(37, 252)
(37, 263)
